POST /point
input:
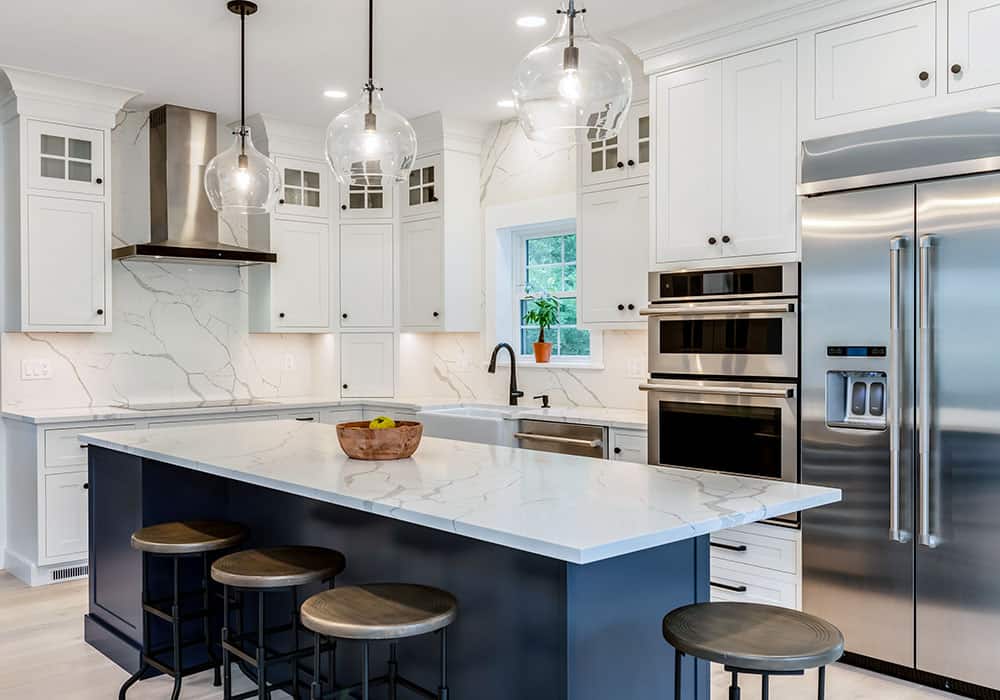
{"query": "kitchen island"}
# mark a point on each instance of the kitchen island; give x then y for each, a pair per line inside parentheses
(563, 566)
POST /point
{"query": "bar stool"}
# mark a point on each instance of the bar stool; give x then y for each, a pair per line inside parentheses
(176, 541)
(381, 612)
(273, 570)
(762, 640)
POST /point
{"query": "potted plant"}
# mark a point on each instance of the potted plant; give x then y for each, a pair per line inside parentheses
(544, 313)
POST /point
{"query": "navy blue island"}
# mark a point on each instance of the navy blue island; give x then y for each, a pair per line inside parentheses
(563, 566)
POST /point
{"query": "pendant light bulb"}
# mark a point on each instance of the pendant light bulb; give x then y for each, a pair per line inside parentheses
(572, 88)
(241, 179)
(369, 143)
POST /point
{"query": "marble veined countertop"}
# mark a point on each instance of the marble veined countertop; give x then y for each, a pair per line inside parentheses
(576, 509)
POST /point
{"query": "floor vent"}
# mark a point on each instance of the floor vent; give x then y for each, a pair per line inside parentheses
(71, 572)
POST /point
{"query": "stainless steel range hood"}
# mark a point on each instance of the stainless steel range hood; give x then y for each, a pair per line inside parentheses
(183, 225)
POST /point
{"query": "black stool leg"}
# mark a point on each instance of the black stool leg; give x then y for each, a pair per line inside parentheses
(227, 668)
(822, 683)
(295, 643)
(443, 689)
(316, 689)
(393, 671)
(134, 678)
(261, 655)
(175, 614)
(678, 656)
(364, 671)
(206, 627)
(734, 687)
(765, 692)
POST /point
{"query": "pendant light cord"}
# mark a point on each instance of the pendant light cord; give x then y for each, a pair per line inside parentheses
(370, 87)
(243, 79)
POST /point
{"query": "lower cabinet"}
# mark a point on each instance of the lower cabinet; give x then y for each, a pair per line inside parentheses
(333, 416)
(65, 514)
(367, 365)
(757, 563)
(628, 445)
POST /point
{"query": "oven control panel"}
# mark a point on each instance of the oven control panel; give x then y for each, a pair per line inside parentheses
(856, 399)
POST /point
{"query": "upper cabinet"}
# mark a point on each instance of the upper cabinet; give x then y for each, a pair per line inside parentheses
(366, 198)
(305, 188)
(725, 169)
(366, 284)
(55, 196)
(622, 158)
(421, 192)
(973, 54)
(882, 61)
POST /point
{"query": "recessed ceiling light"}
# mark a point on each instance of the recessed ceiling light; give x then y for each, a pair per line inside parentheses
(531, 22)
(506, 104)
(335, 94)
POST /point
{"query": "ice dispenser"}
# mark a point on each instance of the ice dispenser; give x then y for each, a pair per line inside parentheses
(856, 399)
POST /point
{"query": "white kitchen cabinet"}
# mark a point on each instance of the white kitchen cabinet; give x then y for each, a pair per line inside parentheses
(726, 159)
(63, 449)
(613, 255)
(421, 193)
(64, 158)
(65, 514)
(421, 274)
(333, 416)
(366, 275)
(628, 445)
(973, 55)
(305, 188)
(878, 62)
(758, 563)
(366, 197)
(65, 283)
(759, 157)
(621, 158)
(367, 365)
(292, 295)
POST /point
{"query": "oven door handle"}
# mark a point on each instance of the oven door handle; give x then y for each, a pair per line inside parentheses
(718, 309)
(722, 390)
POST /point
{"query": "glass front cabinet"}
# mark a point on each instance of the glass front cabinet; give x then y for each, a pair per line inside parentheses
(623, 157)
(420, 195)
(65, 158)
(366, 196)
(305, 188)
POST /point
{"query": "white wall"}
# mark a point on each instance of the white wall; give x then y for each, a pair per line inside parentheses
(180, 332)
(453, 365)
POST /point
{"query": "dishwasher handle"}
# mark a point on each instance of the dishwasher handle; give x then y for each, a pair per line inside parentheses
(576, 442)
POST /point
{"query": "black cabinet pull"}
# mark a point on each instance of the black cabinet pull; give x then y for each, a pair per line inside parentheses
(726, 239)
(956, 69)
(281, 315)
(727, 587)
(711, 240)
(631, 307)
(99, 181)
(343, 386)
(83, 447)
(730, 547)
(344, 315)
(436, 314)
(281, 201)
(620, 164)
(621, 307)
(631, 162)
(343, 207)
(306, 419)
(86, 486)
(924, 76)
(100, 312)
(618, 450)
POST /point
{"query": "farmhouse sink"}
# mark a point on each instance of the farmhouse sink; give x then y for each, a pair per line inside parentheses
(491, 425)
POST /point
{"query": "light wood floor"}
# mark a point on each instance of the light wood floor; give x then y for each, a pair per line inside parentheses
(43, 657)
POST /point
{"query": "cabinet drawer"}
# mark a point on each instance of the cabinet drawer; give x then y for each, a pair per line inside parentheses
(211, 421)
(66, 514)
(743, 546)
(628, 446)
(333, 416)
(747, 584)
(63, 448)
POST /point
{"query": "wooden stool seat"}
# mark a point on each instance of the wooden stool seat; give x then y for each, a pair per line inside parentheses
(752, 637)
(278, 567)
(188, 537)
(379, 611)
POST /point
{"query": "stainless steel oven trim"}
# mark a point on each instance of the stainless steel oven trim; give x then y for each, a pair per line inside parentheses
(764, 394)
(783, 365)
(789, 285)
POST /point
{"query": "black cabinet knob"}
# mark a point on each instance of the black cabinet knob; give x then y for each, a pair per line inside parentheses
(620, 164)
(344, 207)
(436, 314)
(726, 239)
(343, 315)
(99, 181)
(281, 315)
(100, 312)
(711, 240)
(618, 450)
(631, 162)
(924, 76)
(434, 199)
(631, 307)
(343, 386)
(281, 201)
(956, 69)
(86, 485)
(621, 307)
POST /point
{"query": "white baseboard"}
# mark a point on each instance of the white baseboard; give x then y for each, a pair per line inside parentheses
(34, 575)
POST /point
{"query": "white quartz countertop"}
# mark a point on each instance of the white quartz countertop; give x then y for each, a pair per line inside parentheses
(576, 509)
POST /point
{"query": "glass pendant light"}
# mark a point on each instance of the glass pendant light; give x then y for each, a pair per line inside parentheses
(572, 88)
(367, 144)
(241, 179)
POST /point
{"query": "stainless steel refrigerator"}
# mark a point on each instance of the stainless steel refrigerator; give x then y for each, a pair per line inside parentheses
(901, 393)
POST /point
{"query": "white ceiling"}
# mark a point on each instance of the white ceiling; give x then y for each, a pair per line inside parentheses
(456, 56)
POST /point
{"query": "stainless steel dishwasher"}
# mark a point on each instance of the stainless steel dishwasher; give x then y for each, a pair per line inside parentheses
(563, 438)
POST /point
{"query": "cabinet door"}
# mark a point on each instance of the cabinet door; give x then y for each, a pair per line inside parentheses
(876, 63)
(973, 55)
(628, 446)
(639, 141)
(300, 280)
(67, 254)
(65, 158)
(65, 514)
(613, 254)
(306, 188)
(688, 127)
(366, 288)
(759, 152)
(421, 273)
(367, 364)
(421, 193)
(366, 198)
(604, 161)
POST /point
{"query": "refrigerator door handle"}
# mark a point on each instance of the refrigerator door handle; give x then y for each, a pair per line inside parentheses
(924, 535)
(896, 246)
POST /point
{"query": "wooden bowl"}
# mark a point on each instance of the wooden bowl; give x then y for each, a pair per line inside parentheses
(361, 442)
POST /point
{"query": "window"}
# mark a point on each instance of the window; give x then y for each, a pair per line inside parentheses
(546, 264)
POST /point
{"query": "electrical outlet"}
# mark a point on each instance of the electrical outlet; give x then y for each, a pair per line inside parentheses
(634, 369)
(35, 369)
(288, 362)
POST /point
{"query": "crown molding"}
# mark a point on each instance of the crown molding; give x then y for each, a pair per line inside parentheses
(274, 135)
(57, 98)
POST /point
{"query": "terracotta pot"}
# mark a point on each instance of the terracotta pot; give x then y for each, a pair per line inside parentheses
(361, 442)
(543, 352)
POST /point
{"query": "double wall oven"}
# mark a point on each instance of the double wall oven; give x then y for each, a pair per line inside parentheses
(723, 370)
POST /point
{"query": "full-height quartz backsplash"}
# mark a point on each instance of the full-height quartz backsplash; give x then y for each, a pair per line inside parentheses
(180, 331)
